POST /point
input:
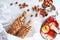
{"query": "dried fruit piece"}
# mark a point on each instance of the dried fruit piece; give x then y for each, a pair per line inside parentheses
(23, 5)
(20, 7)
(16, 2)
(19, 4)
(11, 4)
(43, 12)
(31, 15)
(36, 8)
(28, 10)
(36, 14)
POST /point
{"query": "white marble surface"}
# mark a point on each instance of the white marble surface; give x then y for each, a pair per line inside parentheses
(13, 12)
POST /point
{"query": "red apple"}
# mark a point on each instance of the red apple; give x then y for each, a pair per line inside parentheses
(52, 33)
(45, 23)
(50, 19)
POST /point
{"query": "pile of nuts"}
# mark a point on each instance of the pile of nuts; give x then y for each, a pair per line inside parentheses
(36, 8)
(40, 10)
(47, 3)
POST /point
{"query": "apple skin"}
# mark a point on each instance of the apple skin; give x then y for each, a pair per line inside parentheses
(51, 32)
(45, 23)
(50, 19)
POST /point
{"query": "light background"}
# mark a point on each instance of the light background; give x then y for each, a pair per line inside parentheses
(36, 27)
